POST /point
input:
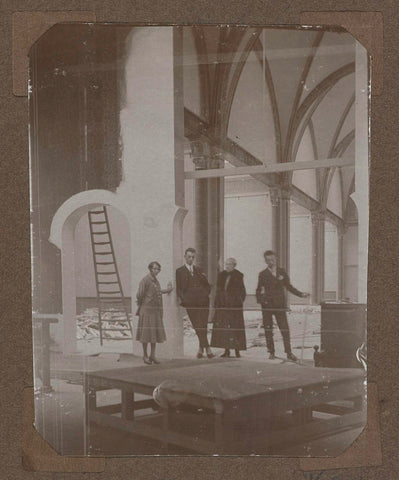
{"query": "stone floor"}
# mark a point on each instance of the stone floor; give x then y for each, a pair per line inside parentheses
(59, 414)
(304, 329)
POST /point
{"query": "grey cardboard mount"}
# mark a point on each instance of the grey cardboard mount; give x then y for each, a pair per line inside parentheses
(373, 454)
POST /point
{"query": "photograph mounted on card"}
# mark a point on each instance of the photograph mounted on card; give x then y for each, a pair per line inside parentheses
(199, 209)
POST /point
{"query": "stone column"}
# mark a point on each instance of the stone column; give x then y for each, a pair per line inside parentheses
(153, 164)
(341, 285)
(318, 221)
(209, 203)
(280, 200)
(201, 223)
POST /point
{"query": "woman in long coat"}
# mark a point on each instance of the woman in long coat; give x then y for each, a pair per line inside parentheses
(228, 324)
(150, 327)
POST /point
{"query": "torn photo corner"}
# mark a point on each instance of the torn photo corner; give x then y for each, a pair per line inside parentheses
(199, 209)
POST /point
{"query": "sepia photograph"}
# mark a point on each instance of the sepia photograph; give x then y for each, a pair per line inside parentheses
(199, 239)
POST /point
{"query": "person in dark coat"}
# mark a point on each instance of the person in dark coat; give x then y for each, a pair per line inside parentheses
(270, 293)
(228, 325)
(193, 289)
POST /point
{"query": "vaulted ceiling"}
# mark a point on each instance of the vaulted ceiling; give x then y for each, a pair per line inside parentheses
(275, 95)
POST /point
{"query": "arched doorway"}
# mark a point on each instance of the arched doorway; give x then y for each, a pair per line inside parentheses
(66, 234)
(102, 280)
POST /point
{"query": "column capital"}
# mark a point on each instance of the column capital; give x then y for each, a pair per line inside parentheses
(317, 216)
(279, 193)
(285, 193)
(274, 196)
(204, 156)
(341, 230)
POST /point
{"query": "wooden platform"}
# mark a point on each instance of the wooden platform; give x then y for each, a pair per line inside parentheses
(228, 406)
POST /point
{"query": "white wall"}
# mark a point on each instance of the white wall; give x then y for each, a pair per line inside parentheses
(305, 179)
(248, 233)
(301, 254)
(251, 122)
(334, 202)
(191, 80)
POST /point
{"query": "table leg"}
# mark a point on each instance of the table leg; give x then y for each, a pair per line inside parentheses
(220, 428)
(219, 433)
(165, 429)
(127, 405)
(90, 404)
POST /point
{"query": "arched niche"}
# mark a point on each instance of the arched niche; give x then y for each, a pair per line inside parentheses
(62, 235)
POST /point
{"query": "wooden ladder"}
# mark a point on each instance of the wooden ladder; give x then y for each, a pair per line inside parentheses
(110, 298)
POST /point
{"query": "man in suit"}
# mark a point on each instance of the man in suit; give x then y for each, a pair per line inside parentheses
(270, 293)
(193, 289)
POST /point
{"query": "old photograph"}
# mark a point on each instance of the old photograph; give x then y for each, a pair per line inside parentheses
(199, 239)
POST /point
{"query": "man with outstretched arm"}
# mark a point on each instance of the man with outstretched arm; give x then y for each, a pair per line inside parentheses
(271, 294)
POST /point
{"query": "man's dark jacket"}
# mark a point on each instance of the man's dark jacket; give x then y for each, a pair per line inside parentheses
(274, 295)
(190, 297)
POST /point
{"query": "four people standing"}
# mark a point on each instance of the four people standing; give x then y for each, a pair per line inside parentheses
(193, 289)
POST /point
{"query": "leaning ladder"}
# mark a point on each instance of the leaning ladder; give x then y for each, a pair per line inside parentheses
(110, 299)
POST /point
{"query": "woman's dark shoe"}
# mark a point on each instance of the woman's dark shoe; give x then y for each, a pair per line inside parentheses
(154, 360)
(200, 355)
(210, 354)
(147, 360)
(272, 356)
(225, 354)
(238, 354)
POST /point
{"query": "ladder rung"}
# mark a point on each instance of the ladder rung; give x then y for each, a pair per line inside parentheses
(105, 263)
(100, 233)
(108, 283)
(98, 223)
(106, 273)
(103, 253)
(115, 329)
(123, 323)
(96, 212)
(102, 243)
(114, 320)
(116, 338)
(111, 299)
(105, 305)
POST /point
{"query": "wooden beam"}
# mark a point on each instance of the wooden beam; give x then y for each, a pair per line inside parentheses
(266, 169)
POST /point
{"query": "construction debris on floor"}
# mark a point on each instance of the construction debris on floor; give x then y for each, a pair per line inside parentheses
(88, 324)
